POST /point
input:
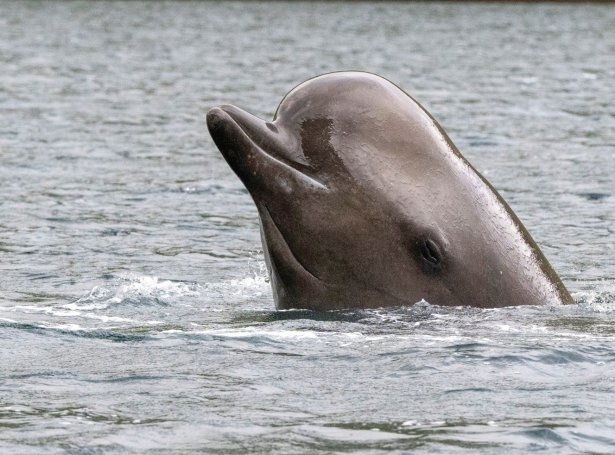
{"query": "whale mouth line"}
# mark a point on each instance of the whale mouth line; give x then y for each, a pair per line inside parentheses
(268, 220)
(294, 168)
(286, 245)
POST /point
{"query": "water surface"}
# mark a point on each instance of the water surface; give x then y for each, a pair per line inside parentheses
(135, 314)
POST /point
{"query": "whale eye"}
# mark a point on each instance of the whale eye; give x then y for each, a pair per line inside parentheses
(430, 254)
(271, 127)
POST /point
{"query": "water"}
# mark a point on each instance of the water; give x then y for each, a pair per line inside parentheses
(134, 310)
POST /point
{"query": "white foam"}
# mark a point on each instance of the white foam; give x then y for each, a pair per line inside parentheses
(283, 335)
(320, 336)
(251, 286)
(601, 299)
(60, 312)
(130, 290)
(137, 288)
(145, 288)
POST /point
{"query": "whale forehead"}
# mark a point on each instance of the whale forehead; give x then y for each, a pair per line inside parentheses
(374, 128)
(339, 95)
(369, 119)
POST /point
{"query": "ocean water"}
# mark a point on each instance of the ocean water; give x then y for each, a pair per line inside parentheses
(135, 312)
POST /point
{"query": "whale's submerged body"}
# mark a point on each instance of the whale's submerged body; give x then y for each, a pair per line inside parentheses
(365, 202)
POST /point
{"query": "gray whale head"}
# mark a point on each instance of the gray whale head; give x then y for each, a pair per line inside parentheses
(365, 202)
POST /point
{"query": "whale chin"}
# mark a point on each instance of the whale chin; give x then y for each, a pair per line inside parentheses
(284, 256)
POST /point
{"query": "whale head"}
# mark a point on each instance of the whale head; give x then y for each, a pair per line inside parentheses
(365, 202)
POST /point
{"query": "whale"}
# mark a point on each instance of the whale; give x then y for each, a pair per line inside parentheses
(365, 202)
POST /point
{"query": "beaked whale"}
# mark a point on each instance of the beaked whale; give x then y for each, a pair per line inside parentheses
(365, 202)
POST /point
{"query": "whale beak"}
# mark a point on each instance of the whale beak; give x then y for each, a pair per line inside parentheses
(222, 120)
(260, 154)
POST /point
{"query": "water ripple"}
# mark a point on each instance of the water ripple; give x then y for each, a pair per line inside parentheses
(135, 311)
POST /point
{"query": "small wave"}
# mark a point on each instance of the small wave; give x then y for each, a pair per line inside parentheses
(342, 435)
(148, 290)
(251, 286)
(74, 330)
(61, 312)
(250, 333)
(116, 304)
(601, 299)
(138, 290)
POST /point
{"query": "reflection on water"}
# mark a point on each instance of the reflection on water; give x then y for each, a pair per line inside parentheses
(135, 314)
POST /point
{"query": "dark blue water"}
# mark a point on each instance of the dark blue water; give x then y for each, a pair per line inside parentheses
(135, 315)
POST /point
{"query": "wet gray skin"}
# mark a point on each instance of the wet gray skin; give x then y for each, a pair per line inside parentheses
(365, 202)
